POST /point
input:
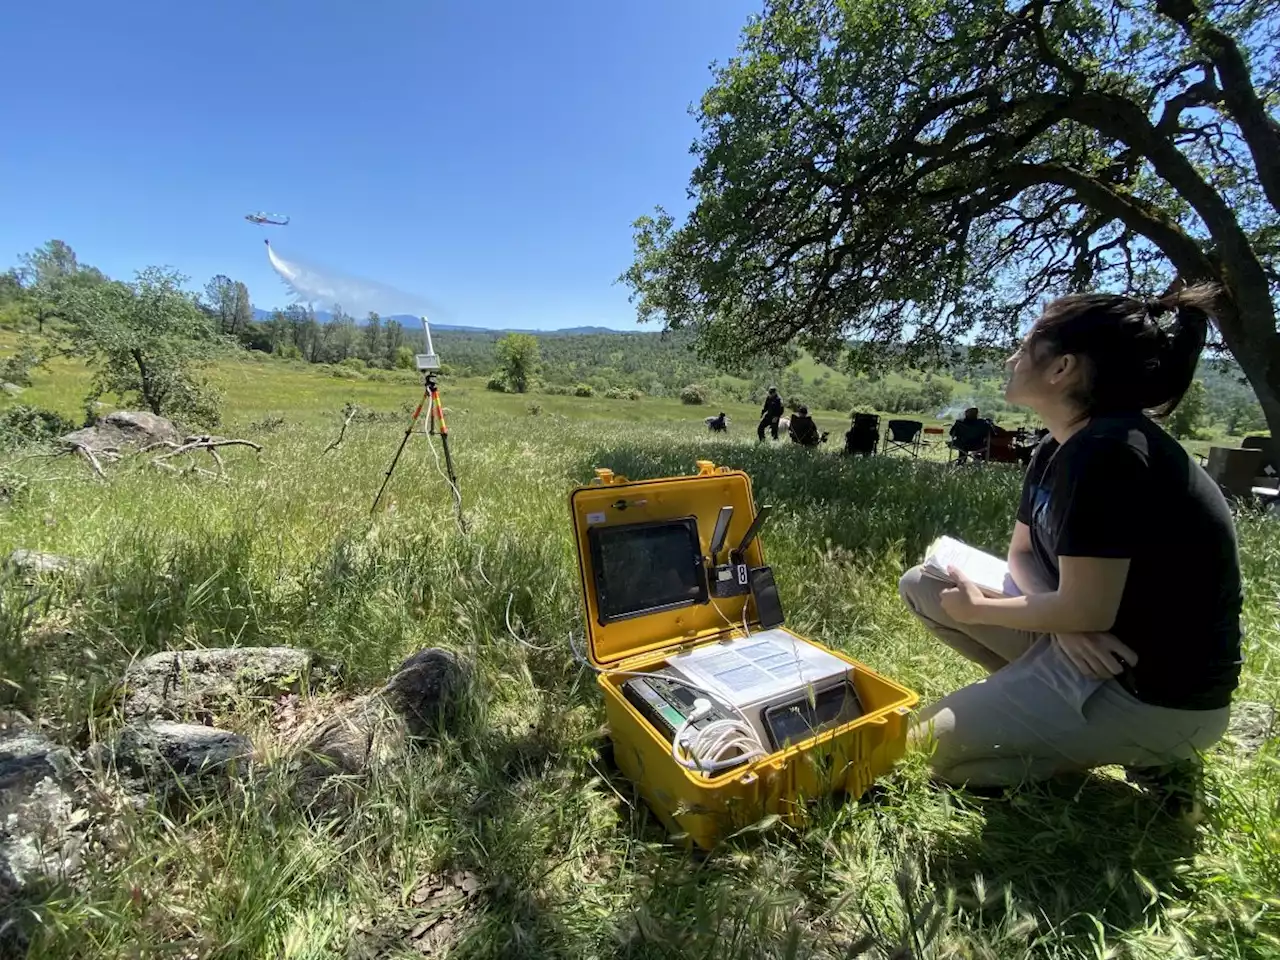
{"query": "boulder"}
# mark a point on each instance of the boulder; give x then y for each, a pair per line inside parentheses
(198, 684)
(427, 690)
(38, 812)
(125, 428)
(160, 751)
(12, 389)
(34, 563)
(427, 693)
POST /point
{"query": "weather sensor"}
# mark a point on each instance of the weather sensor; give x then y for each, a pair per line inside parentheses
(429, 360)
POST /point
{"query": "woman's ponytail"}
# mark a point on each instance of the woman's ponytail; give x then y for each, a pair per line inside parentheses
(1141, 355)
(1178, 344)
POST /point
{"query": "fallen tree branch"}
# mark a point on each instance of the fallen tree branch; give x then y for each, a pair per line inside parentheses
(351, 412)
(88, 455)
(205, 442)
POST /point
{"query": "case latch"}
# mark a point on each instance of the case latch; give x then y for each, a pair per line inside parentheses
(706, 468)
(607, 477)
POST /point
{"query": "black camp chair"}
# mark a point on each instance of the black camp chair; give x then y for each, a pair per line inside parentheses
(864, 436)
(903, 435)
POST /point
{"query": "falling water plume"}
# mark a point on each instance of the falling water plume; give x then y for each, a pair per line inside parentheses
(328, 289)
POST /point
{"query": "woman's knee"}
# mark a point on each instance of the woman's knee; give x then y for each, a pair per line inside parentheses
(921, 593)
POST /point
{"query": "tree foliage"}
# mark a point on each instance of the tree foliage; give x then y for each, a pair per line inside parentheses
(230, 303)
(519, 358)
(48, 276)
(1188, 416)
(144, 342)
(904, 174)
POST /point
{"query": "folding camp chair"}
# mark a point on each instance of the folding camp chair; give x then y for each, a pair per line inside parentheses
(903, 435)
(863, 436)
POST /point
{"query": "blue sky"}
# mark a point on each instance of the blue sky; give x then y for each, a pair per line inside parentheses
(487, 156)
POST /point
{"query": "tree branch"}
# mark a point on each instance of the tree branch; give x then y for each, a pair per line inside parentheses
(1261, 132)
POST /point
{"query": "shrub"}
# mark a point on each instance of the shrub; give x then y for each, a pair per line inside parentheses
(404, 358)
(354, 363)
(496, 384)
(23, 424)
(557, 390)
(583, 390)
(694, 395)
(534, 409)
(17, 369)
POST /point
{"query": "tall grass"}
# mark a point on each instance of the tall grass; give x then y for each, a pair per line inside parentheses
(570, 863)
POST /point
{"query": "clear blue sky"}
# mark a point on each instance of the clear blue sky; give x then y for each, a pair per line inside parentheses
(488, 156)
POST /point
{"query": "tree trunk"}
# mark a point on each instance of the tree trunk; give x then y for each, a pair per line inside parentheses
(1250, 336)
(1264, 377)
(148, 388)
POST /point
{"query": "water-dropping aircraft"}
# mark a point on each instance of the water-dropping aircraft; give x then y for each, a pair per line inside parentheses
(263, 219)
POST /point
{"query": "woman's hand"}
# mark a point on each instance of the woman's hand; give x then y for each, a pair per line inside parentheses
(962, 602)
(1096, 655)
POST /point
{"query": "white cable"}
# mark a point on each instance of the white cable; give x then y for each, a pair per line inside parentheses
(746, 735)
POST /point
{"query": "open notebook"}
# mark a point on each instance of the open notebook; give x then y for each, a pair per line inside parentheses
(991, 574)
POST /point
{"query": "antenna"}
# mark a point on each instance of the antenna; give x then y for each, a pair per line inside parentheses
(754, 529)
(721, 531)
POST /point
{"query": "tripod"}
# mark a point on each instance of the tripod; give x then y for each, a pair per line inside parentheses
(435, 415)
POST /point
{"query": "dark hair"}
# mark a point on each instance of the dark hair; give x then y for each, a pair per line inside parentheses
(803, 411)
(1133, 361)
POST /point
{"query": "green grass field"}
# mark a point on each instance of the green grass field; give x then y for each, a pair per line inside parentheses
(570, 863)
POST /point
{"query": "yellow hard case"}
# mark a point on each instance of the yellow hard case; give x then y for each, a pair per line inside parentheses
(706, 809)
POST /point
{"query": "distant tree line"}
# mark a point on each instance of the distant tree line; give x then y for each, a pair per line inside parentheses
(148, 339)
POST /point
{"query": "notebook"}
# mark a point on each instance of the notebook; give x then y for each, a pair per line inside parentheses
(991, 574)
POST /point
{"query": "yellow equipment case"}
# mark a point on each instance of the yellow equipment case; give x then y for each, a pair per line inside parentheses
(699, 806)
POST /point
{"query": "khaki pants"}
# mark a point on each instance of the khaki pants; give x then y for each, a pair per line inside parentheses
(1037, 715)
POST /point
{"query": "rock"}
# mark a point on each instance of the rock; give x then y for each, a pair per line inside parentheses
(425, 694)
(125, 428)
(160, 750)
(12, 389)
(33, 563)
(196, 684)
(1252, 724)
(37, 812)
(427, 690)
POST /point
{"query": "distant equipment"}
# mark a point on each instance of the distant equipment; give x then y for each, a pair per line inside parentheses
(429, 366)
(267, 219)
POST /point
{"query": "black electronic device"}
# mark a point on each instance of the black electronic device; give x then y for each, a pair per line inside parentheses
(810, 714)
(731, 579)
(644, 568)
(765, 593)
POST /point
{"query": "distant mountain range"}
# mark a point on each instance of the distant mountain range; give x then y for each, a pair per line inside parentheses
(415, 323)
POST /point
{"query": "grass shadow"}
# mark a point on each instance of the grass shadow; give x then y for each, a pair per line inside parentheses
(1072, 852)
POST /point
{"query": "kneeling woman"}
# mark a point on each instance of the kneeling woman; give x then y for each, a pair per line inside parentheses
(1124, 647)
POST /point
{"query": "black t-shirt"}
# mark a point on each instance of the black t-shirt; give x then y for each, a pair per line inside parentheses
(1122, 488)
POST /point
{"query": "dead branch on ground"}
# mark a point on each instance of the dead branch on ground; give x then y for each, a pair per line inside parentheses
(350, 411)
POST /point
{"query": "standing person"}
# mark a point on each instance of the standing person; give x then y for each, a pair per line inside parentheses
(769, 414)
(1124, 647)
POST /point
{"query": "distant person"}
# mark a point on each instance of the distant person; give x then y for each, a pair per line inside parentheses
(971, 435)
(770, 414)
(803, 430)
(718, 424)
(863, 435)
(1124, 646)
